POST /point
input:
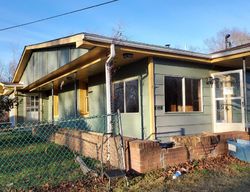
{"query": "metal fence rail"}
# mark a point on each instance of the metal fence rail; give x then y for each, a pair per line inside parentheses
(30, 158)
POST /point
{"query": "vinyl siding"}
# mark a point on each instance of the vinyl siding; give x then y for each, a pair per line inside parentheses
(191, 122)
(20, 108)
(43, 62)
(134, 124)
(67, 101)
(45, 107)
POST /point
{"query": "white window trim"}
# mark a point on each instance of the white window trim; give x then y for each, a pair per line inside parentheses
(184, 96)
(124, 96)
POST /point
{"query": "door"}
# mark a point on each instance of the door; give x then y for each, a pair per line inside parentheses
(228, 101)
(32, 108)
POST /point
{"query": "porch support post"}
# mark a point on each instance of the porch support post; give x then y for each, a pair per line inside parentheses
(15, 107)
(52, 95)
(151, 91)
(75, 87)
(245, 91)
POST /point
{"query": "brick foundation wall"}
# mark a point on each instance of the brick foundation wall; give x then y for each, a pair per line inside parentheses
(208, 145)
(145, 155)
(148, 155)
(89, 144)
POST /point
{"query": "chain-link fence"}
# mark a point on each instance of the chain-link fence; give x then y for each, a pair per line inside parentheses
(34, 154)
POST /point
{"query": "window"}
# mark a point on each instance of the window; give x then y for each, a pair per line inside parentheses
(173, 94)
(126, 97)
(119, 97)
(182, 94)
(32, 104)
(192, 92)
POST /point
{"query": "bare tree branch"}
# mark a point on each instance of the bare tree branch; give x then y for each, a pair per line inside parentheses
(237, 37)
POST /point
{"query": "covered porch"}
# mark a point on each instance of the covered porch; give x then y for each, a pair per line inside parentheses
(79, 89)
(231, 93)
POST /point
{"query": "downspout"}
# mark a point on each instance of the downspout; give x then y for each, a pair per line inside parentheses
(108, 87)
(108, 97)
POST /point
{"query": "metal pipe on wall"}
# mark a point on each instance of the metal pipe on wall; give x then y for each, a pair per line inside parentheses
(108, 77)
(108, 87)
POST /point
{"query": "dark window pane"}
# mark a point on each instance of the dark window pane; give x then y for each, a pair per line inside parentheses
(173, 94)
(193, 98)
(132, 99)
(119, 97)
(28, 102)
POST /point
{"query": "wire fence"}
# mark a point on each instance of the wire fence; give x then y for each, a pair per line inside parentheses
(30, 156)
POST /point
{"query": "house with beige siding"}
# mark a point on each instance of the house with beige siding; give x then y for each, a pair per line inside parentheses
(159, 91)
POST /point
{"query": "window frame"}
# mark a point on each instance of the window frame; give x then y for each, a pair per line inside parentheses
(36, 106)
(123, 81)
(184, 95)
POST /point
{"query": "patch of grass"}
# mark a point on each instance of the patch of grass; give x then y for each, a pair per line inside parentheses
(232, 176)
(27, 161)
(240, 168)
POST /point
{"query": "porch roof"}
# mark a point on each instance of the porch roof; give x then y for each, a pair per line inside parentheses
(99, 45)
(7, 87)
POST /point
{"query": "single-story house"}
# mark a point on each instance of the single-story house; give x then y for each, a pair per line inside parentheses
(160, 91)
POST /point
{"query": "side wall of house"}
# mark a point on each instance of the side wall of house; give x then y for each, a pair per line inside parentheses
(189, 122)
(21, 108)
(134, 124)
(66, 96)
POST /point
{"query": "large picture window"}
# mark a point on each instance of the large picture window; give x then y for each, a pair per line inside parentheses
(126, 96)
(182, 94)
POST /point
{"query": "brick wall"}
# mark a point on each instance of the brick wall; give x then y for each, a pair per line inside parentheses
(148, 155)
(208, 145)
(89, 144)
(145, 155)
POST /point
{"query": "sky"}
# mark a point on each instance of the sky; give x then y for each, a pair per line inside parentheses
(181, 23)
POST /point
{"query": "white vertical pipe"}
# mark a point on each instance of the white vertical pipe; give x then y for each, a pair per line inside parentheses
(108, 96)
(108, 87)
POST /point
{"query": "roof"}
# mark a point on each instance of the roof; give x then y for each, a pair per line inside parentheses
(83, 39)
(7, 87)
(104, 39)
(9, 84)
(233, 48)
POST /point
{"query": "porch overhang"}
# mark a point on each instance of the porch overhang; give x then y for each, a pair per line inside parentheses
(7, 88)
(87, 63)
(231, 58)
(93, 62)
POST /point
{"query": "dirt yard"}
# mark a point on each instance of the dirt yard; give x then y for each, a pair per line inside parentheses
(220, 174)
